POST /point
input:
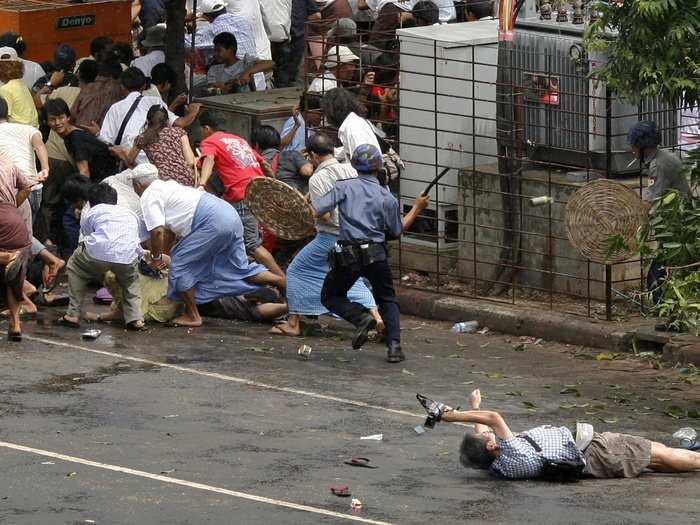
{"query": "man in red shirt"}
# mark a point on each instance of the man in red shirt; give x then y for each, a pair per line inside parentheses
(235, 164)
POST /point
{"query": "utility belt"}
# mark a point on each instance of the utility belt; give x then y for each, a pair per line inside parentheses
(346, 254)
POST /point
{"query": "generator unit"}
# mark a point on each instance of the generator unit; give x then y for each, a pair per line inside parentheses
(568, 119)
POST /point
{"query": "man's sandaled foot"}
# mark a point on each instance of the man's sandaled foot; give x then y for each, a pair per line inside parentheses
(64, 321)
(284, 329)
(184, 322)
(108, 318)
(136, 326)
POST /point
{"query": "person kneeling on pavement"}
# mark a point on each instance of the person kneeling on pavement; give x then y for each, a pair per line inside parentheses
(111, 242)
(259, 306)
(544, 451)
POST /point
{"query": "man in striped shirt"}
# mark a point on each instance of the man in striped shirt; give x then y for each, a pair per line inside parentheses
(111, 242)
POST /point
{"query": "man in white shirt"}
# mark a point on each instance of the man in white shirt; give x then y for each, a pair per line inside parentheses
(19, 143)
(250, 10)
(341, 108)
(155, 44)
(111, 242)
(339, 67)
(209, 260)
(277, 20)
(125, 119)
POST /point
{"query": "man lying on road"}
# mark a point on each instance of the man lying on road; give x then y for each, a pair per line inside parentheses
(494, 447)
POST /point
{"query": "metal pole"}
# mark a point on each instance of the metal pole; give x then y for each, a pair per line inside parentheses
(193, 51)
(608, 292)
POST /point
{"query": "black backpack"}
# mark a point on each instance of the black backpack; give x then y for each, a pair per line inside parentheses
(560, 471)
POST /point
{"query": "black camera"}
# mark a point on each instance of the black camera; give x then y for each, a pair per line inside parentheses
(435, 409)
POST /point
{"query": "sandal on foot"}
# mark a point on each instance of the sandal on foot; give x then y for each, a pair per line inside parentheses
(134, 326)
(62, 321)
(278, 330)
(15, 337)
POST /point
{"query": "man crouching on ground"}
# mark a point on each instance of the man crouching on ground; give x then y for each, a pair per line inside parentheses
(492, 446)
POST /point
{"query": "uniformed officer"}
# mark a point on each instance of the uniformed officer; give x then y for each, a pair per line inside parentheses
(665, 172)
(368, 214)
(663, 168)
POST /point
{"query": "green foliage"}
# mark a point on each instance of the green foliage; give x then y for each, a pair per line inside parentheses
(672, 239)
(650, 48)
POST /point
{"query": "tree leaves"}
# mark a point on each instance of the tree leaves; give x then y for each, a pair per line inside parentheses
(652, 50)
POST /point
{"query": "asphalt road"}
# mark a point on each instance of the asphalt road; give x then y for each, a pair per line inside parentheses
(226, 424)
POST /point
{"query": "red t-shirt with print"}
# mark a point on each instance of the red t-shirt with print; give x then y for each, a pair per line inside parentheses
(235, 162)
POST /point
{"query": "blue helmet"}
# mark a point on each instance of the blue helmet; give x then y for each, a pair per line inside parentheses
(644, 135)
(367, 159)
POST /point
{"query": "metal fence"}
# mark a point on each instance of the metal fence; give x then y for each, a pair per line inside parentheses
(519, 127)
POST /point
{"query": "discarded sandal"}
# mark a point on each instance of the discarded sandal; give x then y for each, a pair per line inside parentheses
(342, 491)
(359, 462)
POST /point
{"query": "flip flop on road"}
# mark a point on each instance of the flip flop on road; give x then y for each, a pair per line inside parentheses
(359, 462)
(342, 491)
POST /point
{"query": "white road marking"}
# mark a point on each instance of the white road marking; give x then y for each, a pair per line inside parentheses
(191, 484)
(224, 377)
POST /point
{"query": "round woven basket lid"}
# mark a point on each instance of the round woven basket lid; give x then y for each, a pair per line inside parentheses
(600, 210)
(281, 208)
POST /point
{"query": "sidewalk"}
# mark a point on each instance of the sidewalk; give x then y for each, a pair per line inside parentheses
(552, 326)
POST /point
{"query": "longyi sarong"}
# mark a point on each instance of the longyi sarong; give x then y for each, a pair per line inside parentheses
(212, 258)
(306, 274)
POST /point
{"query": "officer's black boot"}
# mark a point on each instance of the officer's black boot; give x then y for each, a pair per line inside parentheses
(361, 333)
(394, 354)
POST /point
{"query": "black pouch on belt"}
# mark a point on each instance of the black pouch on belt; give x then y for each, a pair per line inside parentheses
(372, 253)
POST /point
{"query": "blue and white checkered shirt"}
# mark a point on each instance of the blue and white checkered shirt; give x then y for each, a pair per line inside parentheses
(519, 460)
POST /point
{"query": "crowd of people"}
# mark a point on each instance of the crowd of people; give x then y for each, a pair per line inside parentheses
(103, 187)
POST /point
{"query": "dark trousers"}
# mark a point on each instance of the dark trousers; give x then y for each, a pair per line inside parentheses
(334, 295)
(655, 276)
(48, 223)
(287, 57)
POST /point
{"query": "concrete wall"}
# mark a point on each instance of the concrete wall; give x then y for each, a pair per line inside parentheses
(548, 260)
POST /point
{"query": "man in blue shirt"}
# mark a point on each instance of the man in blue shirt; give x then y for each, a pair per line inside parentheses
(368, 213)
(492, 446)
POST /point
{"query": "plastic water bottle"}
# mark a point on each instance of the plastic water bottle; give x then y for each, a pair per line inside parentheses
(686, 438)
(466, 327)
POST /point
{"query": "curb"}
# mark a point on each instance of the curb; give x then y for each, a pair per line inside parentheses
(550, 326)
(678, 352)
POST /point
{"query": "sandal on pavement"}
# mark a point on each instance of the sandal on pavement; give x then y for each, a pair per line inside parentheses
(15, 337)
(359, 462)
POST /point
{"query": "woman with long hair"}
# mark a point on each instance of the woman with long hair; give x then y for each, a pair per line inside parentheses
(167, 147)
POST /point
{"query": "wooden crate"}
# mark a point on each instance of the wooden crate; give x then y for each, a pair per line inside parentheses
(44, 24)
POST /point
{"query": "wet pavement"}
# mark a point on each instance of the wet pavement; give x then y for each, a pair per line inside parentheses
(226, 424)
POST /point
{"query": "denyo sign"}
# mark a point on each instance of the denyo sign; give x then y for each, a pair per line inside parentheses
(75, 22)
